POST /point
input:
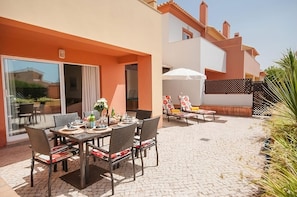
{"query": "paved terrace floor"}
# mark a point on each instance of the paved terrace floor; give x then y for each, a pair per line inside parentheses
(214, 158)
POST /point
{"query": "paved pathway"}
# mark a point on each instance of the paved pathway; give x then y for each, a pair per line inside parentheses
(218, 158)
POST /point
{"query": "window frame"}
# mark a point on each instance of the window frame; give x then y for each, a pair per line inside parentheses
(186, 34)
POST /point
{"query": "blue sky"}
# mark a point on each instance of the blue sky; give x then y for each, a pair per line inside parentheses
(50, 71)
(270, 26)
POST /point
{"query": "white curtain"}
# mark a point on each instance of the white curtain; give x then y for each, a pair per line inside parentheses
(90, 87)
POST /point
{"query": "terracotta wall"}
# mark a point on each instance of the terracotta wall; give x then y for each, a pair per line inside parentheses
(230, 110)
(113, 75)
(144, 87)
(234, 63)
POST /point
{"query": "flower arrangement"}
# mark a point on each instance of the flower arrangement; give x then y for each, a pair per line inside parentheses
(100, 105)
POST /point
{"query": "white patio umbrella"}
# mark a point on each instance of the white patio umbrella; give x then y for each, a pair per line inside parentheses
(183, 74)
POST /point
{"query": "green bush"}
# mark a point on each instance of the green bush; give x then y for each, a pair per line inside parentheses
(24, 100)
(280, 178)
(44, 99)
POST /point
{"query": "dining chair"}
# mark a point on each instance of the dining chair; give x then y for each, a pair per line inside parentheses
(43, 153)
(95, 112)
(140, 115)
(39, 111)
(97, 116)
(147, 138)
(62, 120)
(143, 114)
(26, 111)
(120, 148)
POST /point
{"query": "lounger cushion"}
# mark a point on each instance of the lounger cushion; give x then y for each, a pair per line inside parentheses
(167, 103)
(185, 103)
(194, 108)
(175, 111)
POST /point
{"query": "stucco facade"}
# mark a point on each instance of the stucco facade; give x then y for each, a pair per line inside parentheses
(94, 33)
(205, 50)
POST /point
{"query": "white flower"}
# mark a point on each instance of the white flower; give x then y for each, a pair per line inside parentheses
(101, 104)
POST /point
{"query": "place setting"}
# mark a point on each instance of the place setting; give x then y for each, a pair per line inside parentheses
(127, 120)
(99, 129)
(74, 127)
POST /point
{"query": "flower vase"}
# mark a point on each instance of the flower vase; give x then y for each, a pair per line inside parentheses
(102, 119)
(92, 124)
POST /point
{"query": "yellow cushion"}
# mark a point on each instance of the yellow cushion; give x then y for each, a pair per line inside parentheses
(175, 111)
(194, 108)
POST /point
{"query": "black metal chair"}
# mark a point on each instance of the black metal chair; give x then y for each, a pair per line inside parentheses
(26, 111)
(39, 111)
(120, 148)
(45, 154)
(147, 138)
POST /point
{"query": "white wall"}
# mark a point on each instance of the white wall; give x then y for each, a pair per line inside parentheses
(228, 99)
(192, 88)
(212, 57)
(175, 28)
(178, 55)
(196, 53)
(191, 54)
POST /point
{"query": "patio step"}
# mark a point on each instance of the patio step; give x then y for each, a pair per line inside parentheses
(6, 190)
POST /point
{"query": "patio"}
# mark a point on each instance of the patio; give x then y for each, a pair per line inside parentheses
(215, 158)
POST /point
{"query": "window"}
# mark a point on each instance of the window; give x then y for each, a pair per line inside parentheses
(32, 89)
(187, 34)
(35, 90)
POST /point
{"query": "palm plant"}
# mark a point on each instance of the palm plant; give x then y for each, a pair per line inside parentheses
(280, 179)
(284, 86)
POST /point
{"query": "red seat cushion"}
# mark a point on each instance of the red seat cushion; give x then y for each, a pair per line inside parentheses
(103, 155)
(57, 156)
(144, 143)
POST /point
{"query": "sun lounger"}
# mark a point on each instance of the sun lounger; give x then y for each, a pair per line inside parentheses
(186, 106)
(170, 111)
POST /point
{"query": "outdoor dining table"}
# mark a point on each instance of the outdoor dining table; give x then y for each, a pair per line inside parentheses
(81, 135)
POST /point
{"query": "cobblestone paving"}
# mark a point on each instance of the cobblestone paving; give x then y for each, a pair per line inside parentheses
(216, 159)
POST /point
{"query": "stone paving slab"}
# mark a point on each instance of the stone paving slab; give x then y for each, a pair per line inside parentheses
(218, 158)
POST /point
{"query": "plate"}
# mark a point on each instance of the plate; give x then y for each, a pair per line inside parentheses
(78, 124)
(70, 129)
(127, 121)
(99, 128)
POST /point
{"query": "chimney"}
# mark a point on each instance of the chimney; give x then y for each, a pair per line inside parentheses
(236, 34)
(203, 13)
(226, 29)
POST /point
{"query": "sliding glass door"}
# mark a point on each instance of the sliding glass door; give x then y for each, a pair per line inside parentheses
(73, 88)
(32, 94)
(35, 90)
